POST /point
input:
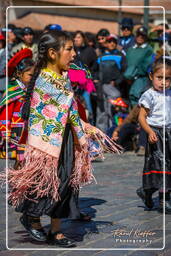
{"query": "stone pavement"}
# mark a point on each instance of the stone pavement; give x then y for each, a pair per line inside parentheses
(119, 223)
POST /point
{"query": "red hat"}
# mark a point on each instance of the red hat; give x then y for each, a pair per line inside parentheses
(119, 102)
(112, 37)
(2, 37)
(15, 60)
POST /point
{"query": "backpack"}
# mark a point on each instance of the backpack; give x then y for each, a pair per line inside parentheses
(108, 68)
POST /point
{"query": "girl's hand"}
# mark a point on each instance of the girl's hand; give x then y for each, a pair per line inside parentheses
(152, 137)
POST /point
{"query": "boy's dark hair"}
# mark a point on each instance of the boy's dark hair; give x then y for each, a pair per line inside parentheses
(103, 32)
(51, 39)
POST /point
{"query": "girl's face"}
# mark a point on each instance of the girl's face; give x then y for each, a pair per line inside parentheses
(159, 83)
(78, 40)
(66, 56)
(26, 76)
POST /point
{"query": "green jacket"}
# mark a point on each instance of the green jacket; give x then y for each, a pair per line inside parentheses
(138, 61)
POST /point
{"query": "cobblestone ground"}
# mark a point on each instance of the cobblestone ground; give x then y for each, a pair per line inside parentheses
(120, 223)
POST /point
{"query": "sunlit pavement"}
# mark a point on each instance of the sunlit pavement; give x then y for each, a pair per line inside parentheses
(119, 218)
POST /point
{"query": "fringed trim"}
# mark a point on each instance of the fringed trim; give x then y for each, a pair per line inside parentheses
(104, 142)
(82, 171)
(37, 177)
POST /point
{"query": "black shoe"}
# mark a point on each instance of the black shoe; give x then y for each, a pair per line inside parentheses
(36, 234)
(63, 242)
(146, 197)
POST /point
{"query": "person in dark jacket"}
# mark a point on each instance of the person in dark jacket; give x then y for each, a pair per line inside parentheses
(127, 39)
(111, 65)
(85, 55)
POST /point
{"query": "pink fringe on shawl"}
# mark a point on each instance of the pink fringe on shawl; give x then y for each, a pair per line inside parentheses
(79, 76)
(82, 171)
(105, 143)
(38, 176)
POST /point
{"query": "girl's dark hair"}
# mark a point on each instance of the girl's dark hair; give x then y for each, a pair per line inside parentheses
(83, 36)
(159, 63)
(51, 39)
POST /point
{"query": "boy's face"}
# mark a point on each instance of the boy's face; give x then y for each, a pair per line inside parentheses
(159, 83)
(126, 31)
(26, 76)
(111, 45)
(28, 38)
(140, 39)
(102, 40)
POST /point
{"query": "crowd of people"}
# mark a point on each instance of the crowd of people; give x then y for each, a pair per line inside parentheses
(70, 98)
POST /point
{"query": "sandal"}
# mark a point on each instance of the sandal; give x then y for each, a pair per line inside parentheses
(61, 242)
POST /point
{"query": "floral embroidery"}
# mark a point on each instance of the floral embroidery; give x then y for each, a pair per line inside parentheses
(49, 111)
(52, 107)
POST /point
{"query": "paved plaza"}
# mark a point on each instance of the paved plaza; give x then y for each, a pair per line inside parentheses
(119, 219)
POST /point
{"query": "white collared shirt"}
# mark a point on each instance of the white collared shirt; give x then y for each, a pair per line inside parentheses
(140, 46)
(159, 104)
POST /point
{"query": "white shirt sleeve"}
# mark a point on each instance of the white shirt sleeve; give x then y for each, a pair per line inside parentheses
(146, 100)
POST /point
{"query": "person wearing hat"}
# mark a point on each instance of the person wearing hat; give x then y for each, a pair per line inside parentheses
(49, 27)
(27, 37)
(127, 39)
(20, 71)
(119, 111)
(139, 59)
(111, 65)
(101, 40)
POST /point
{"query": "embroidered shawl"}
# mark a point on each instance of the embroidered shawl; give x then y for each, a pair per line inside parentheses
(52, 106)
(13, 98)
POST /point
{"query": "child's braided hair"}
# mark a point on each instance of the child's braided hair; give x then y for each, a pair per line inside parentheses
(52, 39)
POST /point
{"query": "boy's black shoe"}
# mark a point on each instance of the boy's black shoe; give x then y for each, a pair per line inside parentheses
(146, 196)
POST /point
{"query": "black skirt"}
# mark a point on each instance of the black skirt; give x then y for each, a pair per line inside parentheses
(154, 161)
(67, 207)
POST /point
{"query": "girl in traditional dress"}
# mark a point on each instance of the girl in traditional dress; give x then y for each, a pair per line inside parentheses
(20, 71)
(153, 117)
(57, 157)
